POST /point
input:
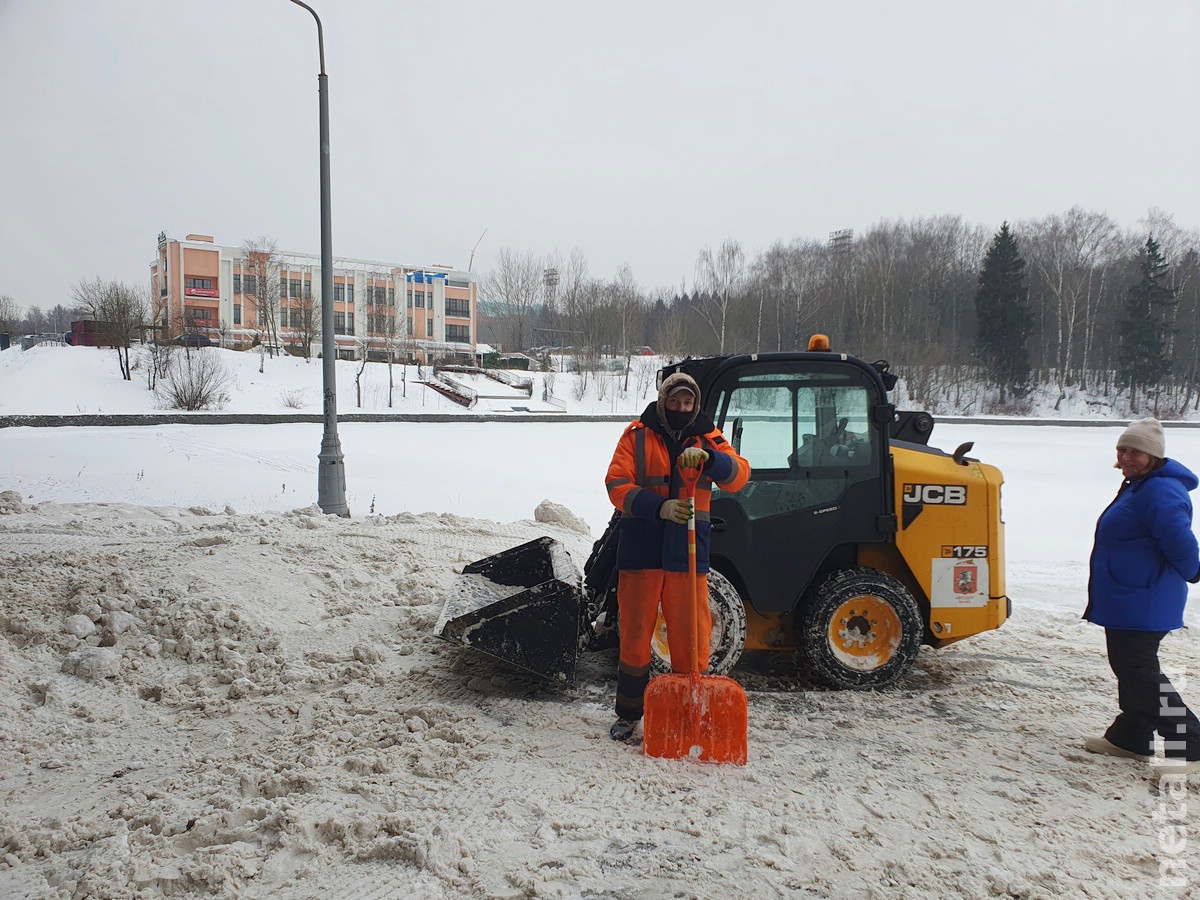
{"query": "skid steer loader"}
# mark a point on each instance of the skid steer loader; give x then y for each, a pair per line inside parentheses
(853, 543)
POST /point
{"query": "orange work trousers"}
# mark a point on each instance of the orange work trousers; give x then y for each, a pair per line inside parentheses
(639, 594)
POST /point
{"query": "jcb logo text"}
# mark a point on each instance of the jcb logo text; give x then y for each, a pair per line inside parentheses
(936, 494)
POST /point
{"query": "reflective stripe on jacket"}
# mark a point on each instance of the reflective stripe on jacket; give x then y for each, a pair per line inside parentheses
(643, 475)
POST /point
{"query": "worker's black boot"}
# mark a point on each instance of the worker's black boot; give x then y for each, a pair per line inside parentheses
(622, 730)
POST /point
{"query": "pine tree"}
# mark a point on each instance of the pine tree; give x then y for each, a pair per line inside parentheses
(1004, 319)
(1146, 331)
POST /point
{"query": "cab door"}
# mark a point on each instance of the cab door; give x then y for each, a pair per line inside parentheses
(811, 433)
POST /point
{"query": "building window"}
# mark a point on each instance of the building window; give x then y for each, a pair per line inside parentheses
(429, 327)
(349, 293)
(282, 285)
(420, 300)
(250, 284)
(204, 284)
(237, 284)
(459, 308)
(391, 296)
(459, 333)
(410, 298)
(294, 287)
(409, 331)
(308, 290)
(339, 293)
(237, 312)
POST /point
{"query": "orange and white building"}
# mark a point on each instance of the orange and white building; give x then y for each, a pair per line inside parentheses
(423, 313)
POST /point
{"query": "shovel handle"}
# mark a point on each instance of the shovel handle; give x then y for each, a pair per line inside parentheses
(690, 477)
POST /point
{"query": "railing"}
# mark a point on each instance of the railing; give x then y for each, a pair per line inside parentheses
(525, 385)
(452, 389)
(513, 381)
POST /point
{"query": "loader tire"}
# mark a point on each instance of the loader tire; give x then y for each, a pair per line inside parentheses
(862, 629)
(728, 634)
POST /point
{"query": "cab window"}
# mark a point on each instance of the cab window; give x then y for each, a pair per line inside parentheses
(806, 435)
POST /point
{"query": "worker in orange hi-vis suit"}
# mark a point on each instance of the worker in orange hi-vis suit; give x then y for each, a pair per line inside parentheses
(643, 482)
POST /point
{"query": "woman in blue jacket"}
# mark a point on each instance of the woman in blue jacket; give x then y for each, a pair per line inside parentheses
(1144, 555)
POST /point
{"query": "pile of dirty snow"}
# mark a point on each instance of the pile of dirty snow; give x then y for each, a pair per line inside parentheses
(199, 702)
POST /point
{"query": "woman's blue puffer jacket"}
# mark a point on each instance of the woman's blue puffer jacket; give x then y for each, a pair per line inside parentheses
(1145, 553)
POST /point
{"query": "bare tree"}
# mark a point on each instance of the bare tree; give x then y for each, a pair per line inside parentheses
(308, 328)
(719, 275)
(262, 266)
(628, 309)
(1070, 256)
(393, 342)
(119, 311)
(58, 319)
(381, 330)
(514, 286)
(9, 314)
(572, 275)
(161, 354)
(799, 272)
(362, 345)
(671, 335)
(34, 321)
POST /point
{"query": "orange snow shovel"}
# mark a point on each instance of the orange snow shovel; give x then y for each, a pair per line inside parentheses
(701, 716)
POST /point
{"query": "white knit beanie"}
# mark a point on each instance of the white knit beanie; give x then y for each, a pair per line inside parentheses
(1145, 435)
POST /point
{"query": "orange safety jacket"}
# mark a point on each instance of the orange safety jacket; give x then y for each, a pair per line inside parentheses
(643, 475)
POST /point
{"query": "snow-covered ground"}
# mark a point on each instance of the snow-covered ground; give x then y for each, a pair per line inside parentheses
(208, 688)
(61, 380)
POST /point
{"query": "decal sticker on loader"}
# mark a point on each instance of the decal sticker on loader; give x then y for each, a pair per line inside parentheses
(959, 583)
(965, 551)
(936, 494)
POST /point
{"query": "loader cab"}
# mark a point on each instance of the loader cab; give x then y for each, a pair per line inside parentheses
(813, 427)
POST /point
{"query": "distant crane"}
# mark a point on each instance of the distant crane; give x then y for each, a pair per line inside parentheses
(471, 261)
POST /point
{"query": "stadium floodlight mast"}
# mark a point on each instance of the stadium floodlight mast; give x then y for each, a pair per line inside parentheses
(331, 465)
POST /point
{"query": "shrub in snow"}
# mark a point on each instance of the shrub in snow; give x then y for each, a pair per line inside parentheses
(195, 380)
(293, 399)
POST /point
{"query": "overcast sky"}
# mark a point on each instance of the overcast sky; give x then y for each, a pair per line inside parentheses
(640, 132)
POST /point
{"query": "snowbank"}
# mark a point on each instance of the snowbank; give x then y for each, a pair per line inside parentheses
(259, 709)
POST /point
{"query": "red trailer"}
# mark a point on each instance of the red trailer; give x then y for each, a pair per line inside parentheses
(88, 333)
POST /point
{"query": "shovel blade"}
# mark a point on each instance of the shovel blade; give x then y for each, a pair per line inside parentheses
(699, 716)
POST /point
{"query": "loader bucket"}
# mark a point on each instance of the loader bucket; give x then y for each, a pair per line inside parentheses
(522, 606)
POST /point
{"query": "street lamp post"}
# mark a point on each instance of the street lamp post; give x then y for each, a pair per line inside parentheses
(331, 466)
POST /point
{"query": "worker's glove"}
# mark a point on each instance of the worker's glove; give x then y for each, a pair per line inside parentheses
(677, 511)
(693, 458)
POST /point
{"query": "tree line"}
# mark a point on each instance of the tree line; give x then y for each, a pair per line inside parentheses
(1072, 300)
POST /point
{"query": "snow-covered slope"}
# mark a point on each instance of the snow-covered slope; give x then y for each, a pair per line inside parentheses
(61, 380)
